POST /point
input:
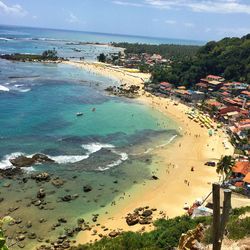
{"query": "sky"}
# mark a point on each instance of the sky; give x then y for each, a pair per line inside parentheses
(188, 19)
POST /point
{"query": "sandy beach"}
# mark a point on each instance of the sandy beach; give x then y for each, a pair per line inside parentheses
(170, 192)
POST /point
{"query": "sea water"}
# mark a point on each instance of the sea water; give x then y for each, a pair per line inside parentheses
(109, 147)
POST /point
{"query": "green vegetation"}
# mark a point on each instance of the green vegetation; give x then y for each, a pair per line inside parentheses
(167, 233)
(229, 58)
(3, 245)
(224, 166)
(165, 236)
(169, 51)
(101, 58)
(48, 55)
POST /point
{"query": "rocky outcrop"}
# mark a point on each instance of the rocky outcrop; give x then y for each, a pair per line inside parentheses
(192, 239)
(24, 161)
(41, 177)
(142, 215)
(87, 188)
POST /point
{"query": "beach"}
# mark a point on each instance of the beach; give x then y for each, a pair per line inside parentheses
(177, 184)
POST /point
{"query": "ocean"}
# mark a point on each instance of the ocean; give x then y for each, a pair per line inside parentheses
(108, 147)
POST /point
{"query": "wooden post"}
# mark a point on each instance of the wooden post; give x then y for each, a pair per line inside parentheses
(225, 213)
(216, 216)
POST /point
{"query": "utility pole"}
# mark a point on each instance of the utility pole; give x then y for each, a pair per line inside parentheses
(219, 222)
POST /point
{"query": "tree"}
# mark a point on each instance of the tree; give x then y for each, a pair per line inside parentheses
(50, 55)
(224, 166)
(4, 220)
(101, 58)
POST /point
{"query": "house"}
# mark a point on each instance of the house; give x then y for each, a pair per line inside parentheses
(246, 181)
(212, 104)
(215, 78)
(210, 83)
(241, 169)
(165, 88)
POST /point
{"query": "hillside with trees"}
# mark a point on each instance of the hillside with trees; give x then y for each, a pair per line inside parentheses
(229, 58)
(170, 51)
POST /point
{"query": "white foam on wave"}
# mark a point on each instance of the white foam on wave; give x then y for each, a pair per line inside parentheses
(4, 89)
(158, 146)
(24, 90)
(4, 39)
(64, 159)
(18, 85)
(5, 162)
(91, 148)
(168, 142)
(95, 147)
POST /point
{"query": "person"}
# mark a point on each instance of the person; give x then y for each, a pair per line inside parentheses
(192, 169)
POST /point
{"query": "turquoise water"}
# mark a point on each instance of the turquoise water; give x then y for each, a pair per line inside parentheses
(107, 147)
(36, 40)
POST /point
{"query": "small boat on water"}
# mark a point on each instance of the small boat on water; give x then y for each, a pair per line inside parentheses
(79, 114)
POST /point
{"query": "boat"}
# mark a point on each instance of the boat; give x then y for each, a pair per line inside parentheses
(79, 114)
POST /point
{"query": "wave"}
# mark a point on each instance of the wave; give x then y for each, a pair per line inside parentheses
(18, 85)
(124, 157)
(95, 147)
(24, 90)
(64, 159)
(5, 39)
(4, 89)
(158, 146)
(5, 162)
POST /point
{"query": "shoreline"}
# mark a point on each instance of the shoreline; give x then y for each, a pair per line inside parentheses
(192, 149)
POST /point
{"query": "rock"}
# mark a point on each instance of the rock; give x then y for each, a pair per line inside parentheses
(132, 219)
(62, 220)
(37, 203)
(41, 177)
(25, 180)
(22, 161)
(21, 245)
(113, 234)
(31, 236)
(6, 185)
(147, 213)
(87, 188)
(42, 220)
(80, 221)
(57, 182)
(66, 198)
(192, 238)
(41, 158)
(20, 237)
(29, 224)
(18, 221)
(41, 194)
(154, 177)
(145, 221)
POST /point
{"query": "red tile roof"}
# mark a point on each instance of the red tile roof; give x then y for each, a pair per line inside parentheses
(247, 178)
(242, 167)
(214, 77)
(201, 84)
(245, 92)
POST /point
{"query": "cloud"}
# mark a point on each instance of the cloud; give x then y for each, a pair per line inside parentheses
(72, 18)
(126, 3)
(190, 25)
(214, 6)
(15, 9)
(170, 22)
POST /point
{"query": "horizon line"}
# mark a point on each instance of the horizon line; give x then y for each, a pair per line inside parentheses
(105, 33)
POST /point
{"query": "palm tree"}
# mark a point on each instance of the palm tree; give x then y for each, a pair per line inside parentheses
(224, 166)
